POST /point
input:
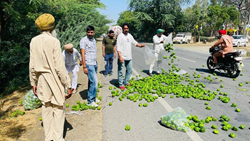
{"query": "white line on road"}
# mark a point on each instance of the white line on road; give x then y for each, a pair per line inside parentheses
(193, 135)
(186, 59)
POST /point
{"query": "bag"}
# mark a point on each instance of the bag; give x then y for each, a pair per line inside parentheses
(30, 101)
(149, 55)
(176, 120)
(169, 39)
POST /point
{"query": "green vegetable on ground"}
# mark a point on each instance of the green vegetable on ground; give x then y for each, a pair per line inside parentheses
(67, 105)
(233, 105)
(232, 135)
(216, 131)
(214, 127)
(110, 103)
(235, 128)
(237, 110)
(145, 104)
(208, 108)
(242, 127)
(127, 127)
(40, 118)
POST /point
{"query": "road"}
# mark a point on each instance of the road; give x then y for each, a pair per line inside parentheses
(144, 121)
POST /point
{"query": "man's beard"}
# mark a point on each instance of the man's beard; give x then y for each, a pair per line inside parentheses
(54, 34)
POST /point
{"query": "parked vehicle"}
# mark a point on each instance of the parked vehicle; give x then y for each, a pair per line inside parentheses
(231, 63)
(240, 40)
(183, 37)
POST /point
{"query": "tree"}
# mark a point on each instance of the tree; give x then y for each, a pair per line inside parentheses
(135, 24)
(156, 14)
(18, 27)
(243, 7)
(221, 15)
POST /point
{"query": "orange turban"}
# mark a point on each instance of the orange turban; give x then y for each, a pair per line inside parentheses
(45, 22)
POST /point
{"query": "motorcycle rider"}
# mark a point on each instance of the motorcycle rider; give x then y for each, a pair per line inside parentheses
(226, 43)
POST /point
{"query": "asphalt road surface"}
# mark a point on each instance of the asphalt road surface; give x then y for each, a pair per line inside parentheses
(144, 121)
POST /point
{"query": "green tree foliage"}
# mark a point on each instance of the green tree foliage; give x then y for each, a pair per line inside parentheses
(154, 14)
(135, 24)
(220, 15)
(17, 22)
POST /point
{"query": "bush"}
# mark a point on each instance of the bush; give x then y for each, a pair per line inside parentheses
(14, 67)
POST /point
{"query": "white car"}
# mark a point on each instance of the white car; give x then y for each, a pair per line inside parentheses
(240, 40)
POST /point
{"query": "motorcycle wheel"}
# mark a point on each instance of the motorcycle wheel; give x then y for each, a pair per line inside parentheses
(233, 70)
(210, 63)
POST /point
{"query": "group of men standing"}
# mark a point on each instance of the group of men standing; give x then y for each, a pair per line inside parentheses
(49, 68)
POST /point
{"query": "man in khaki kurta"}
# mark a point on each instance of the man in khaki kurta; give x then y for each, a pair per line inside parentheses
(48, 76)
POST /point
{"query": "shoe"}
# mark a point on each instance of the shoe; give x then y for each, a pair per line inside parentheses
(150, 74)
(122, 88)
(74, 91)
(158, 73)
(97, 100)
(93, 104)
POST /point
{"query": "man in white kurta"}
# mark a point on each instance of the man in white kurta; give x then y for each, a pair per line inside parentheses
(70, 56)
(124, 43)
(48, 76)
(158, 40)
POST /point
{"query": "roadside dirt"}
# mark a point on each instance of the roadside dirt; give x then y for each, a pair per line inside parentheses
(87, 127)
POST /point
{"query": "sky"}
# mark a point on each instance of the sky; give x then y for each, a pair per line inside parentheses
(115, 7)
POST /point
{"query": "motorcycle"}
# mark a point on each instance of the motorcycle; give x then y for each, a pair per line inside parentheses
(231, 63)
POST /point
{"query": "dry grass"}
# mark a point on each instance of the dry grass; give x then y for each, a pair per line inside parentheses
(12, 128)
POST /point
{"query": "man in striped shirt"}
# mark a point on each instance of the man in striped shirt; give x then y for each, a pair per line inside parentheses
(89, 60)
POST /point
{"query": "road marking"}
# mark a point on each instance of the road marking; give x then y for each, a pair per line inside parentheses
(193, 135)
(186, 59)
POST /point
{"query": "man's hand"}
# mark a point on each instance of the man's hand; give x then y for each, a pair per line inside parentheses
(34, 90)
(162, 42)
(143, 45)
(114, 55)
(121, 59)
(80, 63)
(103, 54)
(69, 93)
(85, 70)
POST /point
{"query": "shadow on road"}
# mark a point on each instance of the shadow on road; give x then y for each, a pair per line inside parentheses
(102, 72)
(84, 94)
(114, 82)
(221, 74)
(67, 127)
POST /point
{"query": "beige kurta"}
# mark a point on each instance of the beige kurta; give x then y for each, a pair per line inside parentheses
(46, 63)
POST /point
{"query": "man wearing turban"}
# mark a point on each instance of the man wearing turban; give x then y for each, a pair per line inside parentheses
(226, 43)
(158, 40)
(69, 55)
(48, 76)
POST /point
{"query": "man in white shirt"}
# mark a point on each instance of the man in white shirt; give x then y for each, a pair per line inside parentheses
(158, 40)
(70, 56)
(124, 43)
